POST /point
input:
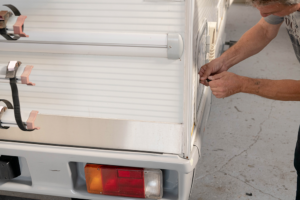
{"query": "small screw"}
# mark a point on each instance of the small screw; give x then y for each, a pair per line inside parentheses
(98, 169)
(170, 47)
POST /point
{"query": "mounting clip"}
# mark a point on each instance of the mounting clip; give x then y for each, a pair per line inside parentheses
(12, 23)
(15, 69)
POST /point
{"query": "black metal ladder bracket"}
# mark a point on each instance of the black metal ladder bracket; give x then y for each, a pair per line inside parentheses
(11, 73)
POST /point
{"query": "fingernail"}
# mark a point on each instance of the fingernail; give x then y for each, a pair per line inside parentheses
(210, 77)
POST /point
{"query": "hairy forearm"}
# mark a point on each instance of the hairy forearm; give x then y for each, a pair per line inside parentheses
(251, 43)
(284, 90)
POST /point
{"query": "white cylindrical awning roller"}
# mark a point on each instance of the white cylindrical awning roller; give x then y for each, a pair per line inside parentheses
(99, 43)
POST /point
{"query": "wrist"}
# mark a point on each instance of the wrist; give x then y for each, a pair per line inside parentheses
(231, 57)
(250, 85)
(225, 62)
(244, 84)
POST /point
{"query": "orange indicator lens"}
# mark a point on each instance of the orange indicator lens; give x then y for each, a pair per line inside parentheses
(93, 178)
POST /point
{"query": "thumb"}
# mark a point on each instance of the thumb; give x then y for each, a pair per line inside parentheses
(216, 77)
(205, 71)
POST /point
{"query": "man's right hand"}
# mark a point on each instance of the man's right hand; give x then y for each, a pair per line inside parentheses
(214, 67)
(252, 42)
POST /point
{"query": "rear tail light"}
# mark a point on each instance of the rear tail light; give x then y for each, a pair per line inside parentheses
(124, 181)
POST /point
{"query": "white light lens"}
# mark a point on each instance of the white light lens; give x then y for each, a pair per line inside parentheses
(153, 183)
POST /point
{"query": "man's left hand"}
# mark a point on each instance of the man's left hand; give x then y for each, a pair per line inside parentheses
(225, 84)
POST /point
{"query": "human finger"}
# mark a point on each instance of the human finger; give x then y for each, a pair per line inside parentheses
(204, 82)
(217, 76)
(206, 73)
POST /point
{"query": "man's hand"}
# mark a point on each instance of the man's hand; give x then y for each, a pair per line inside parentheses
(225, 84)
(214, 67)
(252, 42)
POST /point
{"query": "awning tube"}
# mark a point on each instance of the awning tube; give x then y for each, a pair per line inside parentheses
(161, 45)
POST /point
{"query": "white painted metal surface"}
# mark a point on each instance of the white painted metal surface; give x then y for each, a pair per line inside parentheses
(102, 133)
(94, 88)
(91, 96)
(48, 169)
(196, 13)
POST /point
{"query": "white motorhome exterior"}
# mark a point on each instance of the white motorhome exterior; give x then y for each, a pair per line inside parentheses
(116, 84)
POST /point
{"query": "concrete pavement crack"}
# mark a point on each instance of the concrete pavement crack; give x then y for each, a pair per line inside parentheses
(235, 156)
(250, 185)
(255, 141)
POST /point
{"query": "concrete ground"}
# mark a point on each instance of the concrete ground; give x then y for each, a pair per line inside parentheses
(250, 141)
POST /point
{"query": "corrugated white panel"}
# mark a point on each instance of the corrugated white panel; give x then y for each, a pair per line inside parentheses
(101, 15)
(133, 88)
(101, 87)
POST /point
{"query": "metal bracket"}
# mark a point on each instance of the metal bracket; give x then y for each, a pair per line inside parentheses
(4, 16)
(2, 110)
(12, 21)
(175, 46)
(12, 69)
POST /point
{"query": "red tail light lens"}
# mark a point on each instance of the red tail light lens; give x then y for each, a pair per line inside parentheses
(123, 181)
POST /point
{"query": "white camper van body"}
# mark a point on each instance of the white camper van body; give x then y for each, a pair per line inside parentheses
(110, 90)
